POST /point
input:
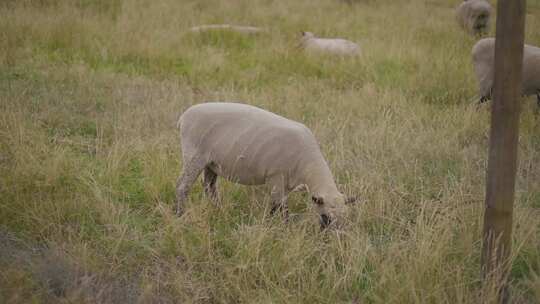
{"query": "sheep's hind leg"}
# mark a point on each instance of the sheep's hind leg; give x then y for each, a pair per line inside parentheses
(486, 98)
(192, 170)
(209, 184)
(538, 98)
(280, 207)
(279, 197)
(483, 99)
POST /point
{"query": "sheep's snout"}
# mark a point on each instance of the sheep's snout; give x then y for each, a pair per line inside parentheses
(328, 221)
(333, 218)
(480, 26)
(325, 221)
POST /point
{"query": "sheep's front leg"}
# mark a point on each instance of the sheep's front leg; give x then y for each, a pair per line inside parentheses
(192, 170)
(538, 98)
(279, 196)
(209, 184)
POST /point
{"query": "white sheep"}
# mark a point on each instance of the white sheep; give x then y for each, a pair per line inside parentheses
(474, 16)
(336, 46)
(483, 57)
(251, 146)
(233, 28)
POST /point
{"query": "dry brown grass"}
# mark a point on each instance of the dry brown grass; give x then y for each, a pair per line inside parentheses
(89, 95)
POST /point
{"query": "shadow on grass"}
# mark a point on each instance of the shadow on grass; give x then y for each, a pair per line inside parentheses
(49, 274)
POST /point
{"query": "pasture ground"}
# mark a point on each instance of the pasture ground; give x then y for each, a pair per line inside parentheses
(90, 92)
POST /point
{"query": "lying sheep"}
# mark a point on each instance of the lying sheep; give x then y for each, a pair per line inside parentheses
(251, 146)
(483, 56)
(328, 45)
(233, 28)
(474, 16)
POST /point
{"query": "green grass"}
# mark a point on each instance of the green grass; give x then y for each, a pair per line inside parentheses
(90, 92)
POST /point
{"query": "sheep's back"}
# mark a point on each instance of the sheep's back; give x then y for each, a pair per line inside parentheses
(483, 55)
(246, 144)
(337, 45)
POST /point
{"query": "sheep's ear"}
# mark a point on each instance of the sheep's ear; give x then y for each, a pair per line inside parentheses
(351, 200)
(302, 33)
(317, 200)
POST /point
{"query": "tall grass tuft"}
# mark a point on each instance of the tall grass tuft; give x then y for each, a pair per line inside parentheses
(90, 92)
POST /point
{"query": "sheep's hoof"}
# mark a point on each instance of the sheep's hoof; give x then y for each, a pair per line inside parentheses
(483, 99)
(275, 209)
(178, 211)
(284, 211)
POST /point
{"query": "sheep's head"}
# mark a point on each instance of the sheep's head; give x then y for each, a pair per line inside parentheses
(307, 35)
(332, 209)
(478, 16)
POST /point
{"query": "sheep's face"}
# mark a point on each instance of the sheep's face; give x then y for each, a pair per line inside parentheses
(307, 35)
(480, 22)
(332, 209)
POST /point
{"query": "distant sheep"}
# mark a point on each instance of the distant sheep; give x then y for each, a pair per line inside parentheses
(474, 16)
(483, 56)
(251, 146)
(233, 28)
(335, 46)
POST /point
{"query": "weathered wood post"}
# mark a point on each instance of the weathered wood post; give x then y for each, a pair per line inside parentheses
(502, 161)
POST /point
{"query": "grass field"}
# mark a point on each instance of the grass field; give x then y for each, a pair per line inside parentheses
(90, 91)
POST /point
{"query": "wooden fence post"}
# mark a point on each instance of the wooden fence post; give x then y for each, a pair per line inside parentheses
(502, 163)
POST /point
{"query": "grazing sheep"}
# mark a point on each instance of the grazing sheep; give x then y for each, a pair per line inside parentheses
(335, 46)
(483, 56)
(233, 28)
(474, 15)
(251, 146)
